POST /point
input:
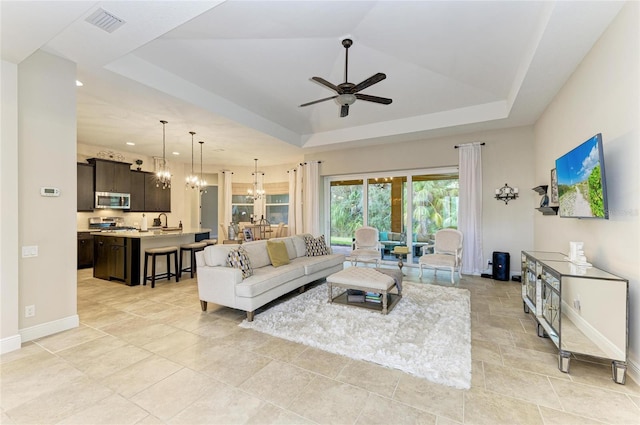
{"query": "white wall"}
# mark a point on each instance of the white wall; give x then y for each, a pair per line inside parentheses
(9, 335)
(47, 157)
(507, 157)
(601, 97)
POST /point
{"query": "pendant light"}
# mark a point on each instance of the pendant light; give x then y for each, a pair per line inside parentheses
(255, 193)
(163, 176)
(192, 180)
(202, 182)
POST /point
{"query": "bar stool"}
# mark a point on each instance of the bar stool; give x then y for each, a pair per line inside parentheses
(210, 241)
(153, 253)
(192, 248)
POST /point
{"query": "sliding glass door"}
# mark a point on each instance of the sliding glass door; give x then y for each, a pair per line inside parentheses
(422, 202)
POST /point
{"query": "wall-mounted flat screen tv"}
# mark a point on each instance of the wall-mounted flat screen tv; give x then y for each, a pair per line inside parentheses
(582, 188)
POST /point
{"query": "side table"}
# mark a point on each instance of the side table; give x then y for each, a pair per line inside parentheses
(400, 252)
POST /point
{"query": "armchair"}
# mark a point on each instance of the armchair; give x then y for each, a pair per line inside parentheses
(366, 247)
(447, 253)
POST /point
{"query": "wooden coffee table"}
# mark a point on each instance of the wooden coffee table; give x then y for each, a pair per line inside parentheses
(368, 280)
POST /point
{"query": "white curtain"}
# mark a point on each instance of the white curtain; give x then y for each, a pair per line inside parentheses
(298, 200)
(227, 178)
(311, 207)
(293, 202)
(470, 207)
(258, 204)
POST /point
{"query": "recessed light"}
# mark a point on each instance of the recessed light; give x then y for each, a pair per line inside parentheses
(131, 144)
(176, 153)
(79, 83)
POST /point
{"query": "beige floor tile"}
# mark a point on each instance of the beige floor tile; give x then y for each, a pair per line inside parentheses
(281, 349)
(143, 333)
(60, 403)
(111, 410)
(139, 376)
(597, 403)
(491, 334)
(383, 411)
(187, 320)
(173, 342)
(103, 316)
(28, 349)
(217, 329)
(520, 384)
(477, 374)
(322, 362)
(278, 383)
(174, 393)
(486, 351)
(198, 355)
(220, 404)
(532, 361)
(92, 349)
(233, 366)
(150, 420)
(28, 378)
(430, 397)
(113, 361)
(244, 339)
(483, 407)
(441, 420)
(371, 377)
(635, 399)
(532, 341)
(557, 417)
(327, 401)
(599, 375)
(269, 414)
(5, 419)
(70, 338)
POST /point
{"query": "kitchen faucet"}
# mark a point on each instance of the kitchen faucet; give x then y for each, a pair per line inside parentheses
(166, 222)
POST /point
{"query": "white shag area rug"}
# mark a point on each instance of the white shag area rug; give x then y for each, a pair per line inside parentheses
(427, 334)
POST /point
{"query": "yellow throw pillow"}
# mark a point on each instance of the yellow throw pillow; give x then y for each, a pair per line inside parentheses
(277, 253)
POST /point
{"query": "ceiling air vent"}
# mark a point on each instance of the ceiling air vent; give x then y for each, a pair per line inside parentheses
(105, 20)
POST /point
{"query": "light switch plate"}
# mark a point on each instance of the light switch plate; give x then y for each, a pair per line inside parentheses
(30, 251)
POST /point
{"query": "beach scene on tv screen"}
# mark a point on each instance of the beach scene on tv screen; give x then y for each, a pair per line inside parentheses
(580, 181)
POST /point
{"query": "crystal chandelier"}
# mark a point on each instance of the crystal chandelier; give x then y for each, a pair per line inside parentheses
(202, 183)
(163, 176)
(193, 181)
(255, 193)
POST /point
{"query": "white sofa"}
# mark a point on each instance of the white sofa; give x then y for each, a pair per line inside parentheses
(224, 285)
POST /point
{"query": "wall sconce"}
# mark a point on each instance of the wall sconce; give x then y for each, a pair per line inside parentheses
(506, 193)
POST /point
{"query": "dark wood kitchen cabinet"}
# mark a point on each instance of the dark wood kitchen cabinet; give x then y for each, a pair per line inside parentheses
(111, 176)
(117, 258)
(85, 250)
(156, 199)
(137, 191)
(85, 187)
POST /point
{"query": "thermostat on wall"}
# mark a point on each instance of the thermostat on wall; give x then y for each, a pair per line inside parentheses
(49, 191)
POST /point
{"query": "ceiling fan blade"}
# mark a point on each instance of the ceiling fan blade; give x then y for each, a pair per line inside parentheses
(318, 101)
(376, 99)
(369, 82)
(344, 111)
(326, 84)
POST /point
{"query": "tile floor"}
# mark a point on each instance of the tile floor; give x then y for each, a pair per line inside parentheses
(150, 356)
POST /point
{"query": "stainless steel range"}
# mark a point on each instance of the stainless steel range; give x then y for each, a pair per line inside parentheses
(109, 224)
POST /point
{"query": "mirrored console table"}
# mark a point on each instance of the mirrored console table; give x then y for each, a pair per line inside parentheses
(584, 310)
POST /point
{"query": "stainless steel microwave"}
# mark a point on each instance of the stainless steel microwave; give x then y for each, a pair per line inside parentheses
(116, 201)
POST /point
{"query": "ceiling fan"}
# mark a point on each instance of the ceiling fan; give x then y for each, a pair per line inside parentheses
(349, 92)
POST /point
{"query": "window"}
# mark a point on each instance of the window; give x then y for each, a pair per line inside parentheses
(277, 208)
(241, 208)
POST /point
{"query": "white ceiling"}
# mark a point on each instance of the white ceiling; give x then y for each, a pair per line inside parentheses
(235, 71)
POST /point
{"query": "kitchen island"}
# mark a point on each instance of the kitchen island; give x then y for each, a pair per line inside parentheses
(119, 254)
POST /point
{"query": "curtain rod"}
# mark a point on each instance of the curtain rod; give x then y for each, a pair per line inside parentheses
(305, 163)
(470, 144)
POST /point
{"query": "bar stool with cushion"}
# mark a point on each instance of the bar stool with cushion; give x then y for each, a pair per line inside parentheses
(192, 248)
(210, 241)
(153, 253)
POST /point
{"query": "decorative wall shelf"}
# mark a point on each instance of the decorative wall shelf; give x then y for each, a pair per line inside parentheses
(545, 209)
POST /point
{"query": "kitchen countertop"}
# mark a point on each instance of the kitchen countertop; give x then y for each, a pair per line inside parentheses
(152, 233)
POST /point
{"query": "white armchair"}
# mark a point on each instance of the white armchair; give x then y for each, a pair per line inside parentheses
(366, 247)
(447, 253)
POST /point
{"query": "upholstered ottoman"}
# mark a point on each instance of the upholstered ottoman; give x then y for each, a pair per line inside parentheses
(367, 280)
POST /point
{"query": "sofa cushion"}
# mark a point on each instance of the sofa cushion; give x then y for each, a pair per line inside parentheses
(301, 247)
(216, 255)
(316, 264)
(257, 251)
(291, 248)
(315, 246)
(267, 278)
(238, 258)
(278, 254)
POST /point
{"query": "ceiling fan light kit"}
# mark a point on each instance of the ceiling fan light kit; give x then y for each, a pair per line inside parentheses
(348, 92)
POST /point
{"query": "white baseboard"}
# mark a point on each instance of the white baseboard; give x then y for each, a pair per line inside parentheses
(50, 328)
(633, 371)
(11, 343)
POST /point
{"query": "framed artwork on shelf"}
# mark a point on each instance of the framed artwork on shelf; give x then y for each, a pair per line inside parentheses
(248, 235)
(554, 187)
